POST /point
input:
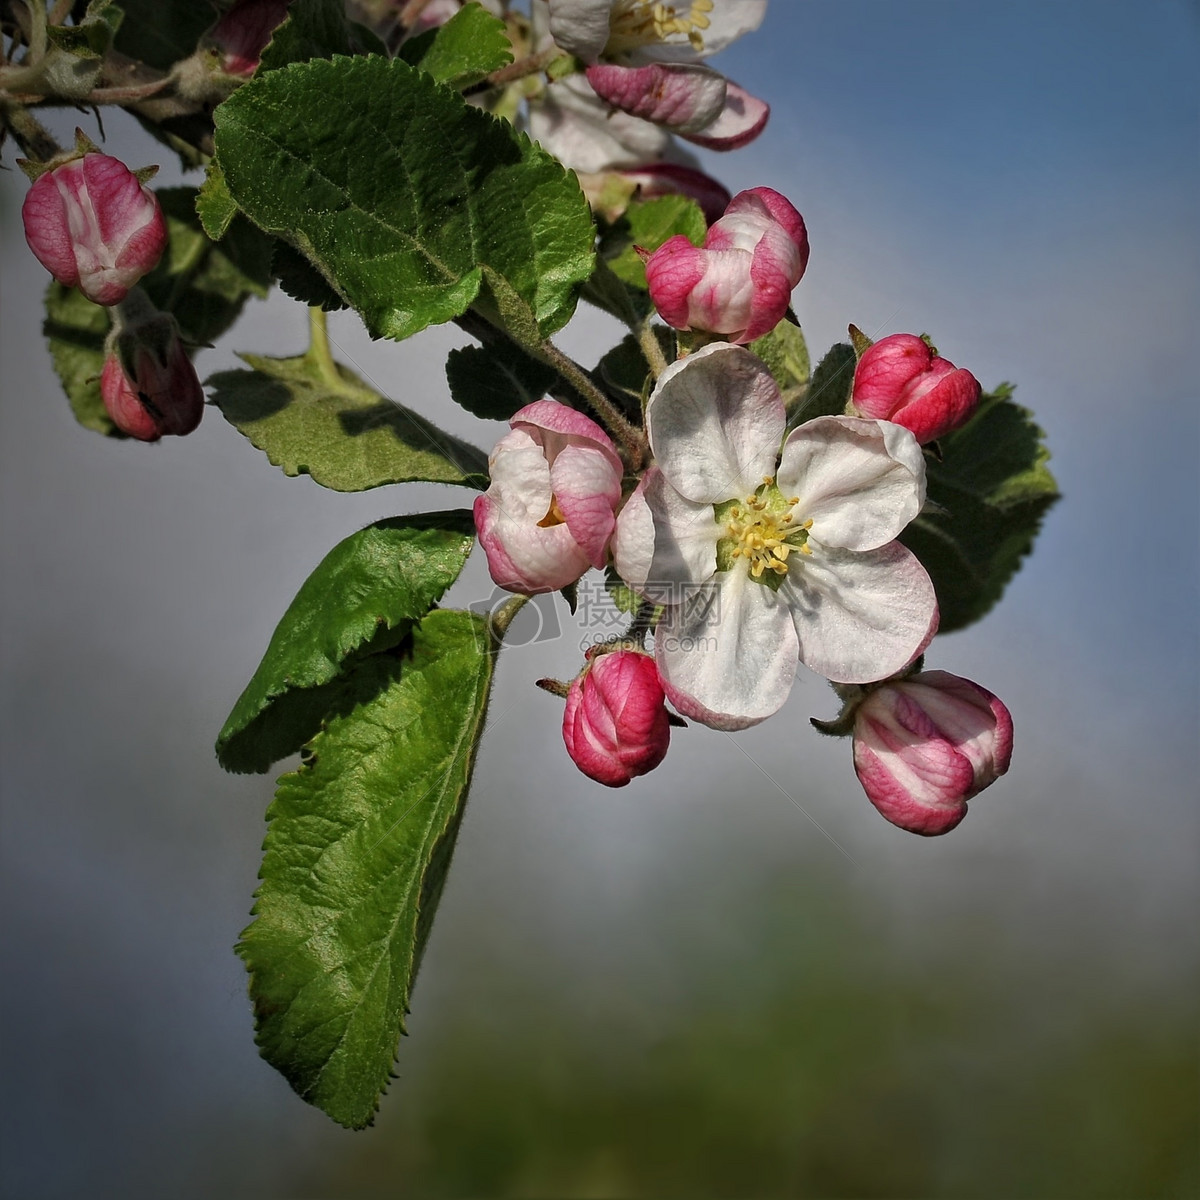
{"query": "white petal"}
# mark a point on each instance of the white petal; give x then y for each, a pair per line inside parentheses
(860, 482)
(860, 616)
(715, 421)
(727, 657)
(571, 122)
(580, 27)
(728, 21)
(520, 477)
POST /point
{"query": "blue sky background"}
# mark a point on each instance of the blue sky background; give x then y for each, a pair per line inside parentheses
(1021, 181)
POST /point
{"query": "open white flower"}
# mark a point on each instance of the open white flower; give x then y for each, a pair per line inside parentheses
(649, 30)
(764, 558)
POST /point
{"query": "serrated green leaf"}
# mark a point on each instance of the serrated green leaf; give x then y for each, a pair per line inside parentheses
(214, 204)
(301, 280)
(993, 488)
(649, 223)
(339, 430)
(493, 382)
(161, 32)
(785, 352)
(623, 596)
(830, 387)
(313, 29)
(465, 50)
(359, 842)
(402, 195)
(363, 598)
(203, 283)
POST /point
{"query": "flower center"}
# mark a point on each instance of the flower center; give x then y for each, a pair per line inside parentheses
(554, 515)
(635, 23)
(763, 530)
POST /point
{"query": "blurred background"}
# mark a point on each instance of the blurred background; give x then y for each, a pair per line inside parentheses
(732, 977)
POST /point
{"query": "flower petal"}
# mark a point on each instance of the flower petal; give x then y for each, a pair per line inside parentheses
(665, 544)
(684, 97)
(580, 27)
(860, 482)
(715, 420)
(728, 20)
(588, 491)
(727, 656)
(860, 616)
(671, 179)
(740, 121)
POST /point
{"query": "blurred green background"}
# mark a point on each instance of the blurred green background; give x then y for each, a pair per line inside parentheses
(731, 978)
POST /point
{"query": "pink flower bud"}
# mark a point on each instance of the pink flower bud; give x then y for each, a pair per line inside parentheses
(551, 507)
(901, 379)
(684, 97)
(245, 31)
(615, 724)
(923, 746)
(148, 383)
(93, 225)
(674, 179)
(740, 282)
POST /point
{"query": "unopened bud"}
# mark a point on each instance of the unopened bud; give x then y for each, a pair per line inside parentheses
(616, 725)
(93, 225)
(901, 379)
(245, 31)
(923, 746)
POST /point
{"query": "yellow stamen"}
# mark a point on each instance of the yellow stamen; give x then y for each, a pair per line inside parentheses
(635, 23)
(554, 515)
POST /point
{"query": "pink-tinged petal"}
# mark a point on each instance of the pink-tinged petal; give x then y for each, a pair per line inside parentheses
(781, 210)
(927, 800)
(741, 120)
(571, 122)
(580, 27)
(665, 545)
(715, 421)
(771, 283)
(615, 724)
(47, 230)
(860, 482)
(947, 405)
(245, 31)
(121, 403)
(588, 490)
(672, 272)
(674, 179)
(971, 718)
(161, 393)
(685, 98)
(554, 417)
(860, 616)
(525, 557)
(727, 654)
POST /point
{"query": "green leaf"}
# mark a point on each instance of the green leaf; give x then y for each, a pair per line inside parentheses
(493, 382)
(214, 204)
(402, 195)
(364, 597)
(358, 846)
(337, 429)
(649, 223)
(829, 390)
(625, 374)
(993, 488)
(301, 280)
(468, 48)
(161, 32)
(313, 29)
(785, 352)
(203, 283)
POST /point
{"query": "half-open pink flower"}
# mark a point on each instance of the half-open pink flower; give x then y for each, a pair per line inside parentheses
(551, 507)
(245, 31)
(923, 746)
(901, 378)
(94, 225)
(615, 725)
(739, 283)
(148, 384)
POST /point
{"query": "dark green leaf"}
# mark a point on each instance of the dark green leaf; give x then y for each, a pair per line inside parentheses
(829, 390)
(161, 32)
(785, 352)
(994, 487)
(469, 47)
(625, 373)
(357, 850)
(301, 280)
(337, 429)
(203, 283)
(402, 195)
(313, 29)
(493, 382)
(364, 597)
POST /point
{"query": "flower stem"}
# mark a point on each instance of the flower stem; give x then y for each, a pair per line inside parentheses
(531, 64)
(318, 346)
(28, 132)
(502, 618)
(651, 348)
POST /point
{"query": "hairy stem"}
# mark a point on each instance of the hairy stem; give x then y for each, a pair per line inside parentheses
(318, 345)
(529, 65)
(648, 340)
(28, 132)
(502, 618)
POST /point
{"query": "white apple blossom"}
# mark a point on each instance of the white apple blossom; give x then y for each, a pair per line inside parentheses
(765, 557)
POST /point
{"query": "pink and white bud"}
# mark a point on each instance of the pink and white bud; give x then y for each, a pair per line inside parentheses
(148, 383)
(674, 179)
(902, 379)
(739, 283)
(684, 97)
(741, 119)
(551, 508)
(245, 31)
(923, 746)
(94, 225)
(615, 724)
